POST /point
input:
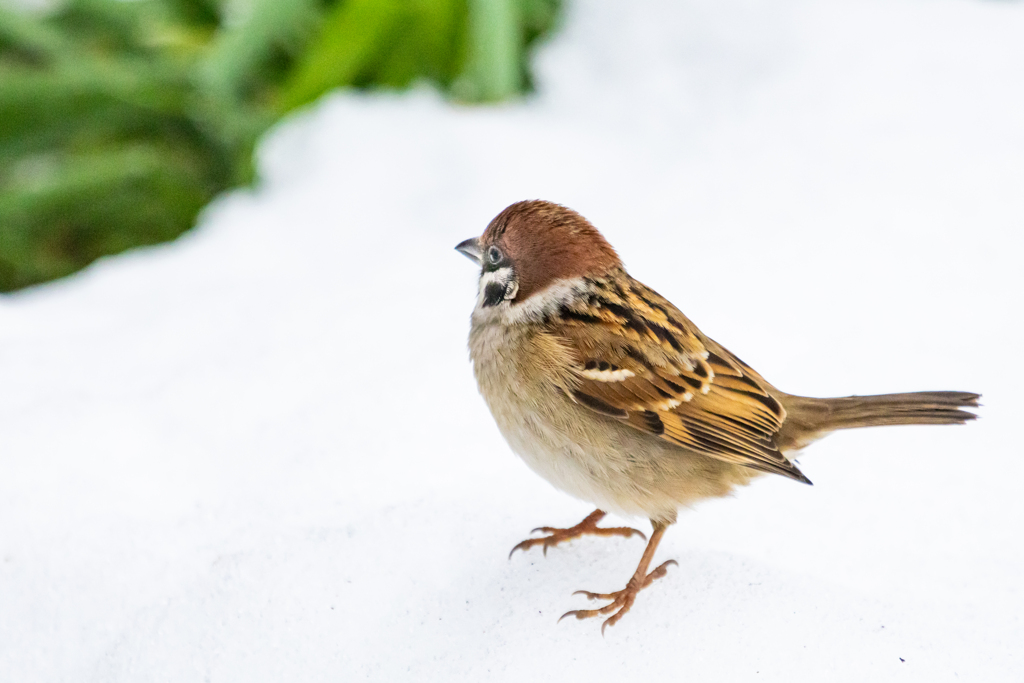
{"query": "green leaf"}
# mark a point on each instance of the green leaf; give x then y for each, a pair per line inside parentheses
(68, 212)
(351, 37)
(495, 45)
(240, 51)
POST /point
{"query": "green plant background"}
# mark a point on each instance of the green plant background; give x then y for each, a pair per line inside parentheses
(120, 120)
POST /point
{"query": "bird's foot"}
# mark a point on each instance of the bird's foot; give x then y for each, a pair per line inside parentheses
(587, 526)
(621, 600)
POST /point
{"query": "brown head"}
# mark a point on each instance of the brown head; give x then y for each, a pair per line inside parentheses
(540, 242)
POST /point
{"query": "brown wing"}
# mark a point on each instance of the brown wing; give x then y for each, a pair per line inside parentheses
(645, 363)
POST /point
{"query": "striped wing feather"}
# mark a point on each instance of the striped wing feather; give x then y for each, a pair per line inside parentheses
(645, 363)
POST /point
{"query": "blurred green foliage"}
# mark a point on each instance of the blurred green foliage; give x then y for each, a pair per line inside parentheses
(120, 120)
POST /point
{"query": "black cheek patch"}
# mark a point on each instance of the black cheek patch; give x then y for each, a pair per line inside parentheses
(494, 294)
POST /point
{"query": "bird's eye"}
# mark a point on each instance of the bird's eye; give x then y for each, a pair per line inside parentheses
(494, 255)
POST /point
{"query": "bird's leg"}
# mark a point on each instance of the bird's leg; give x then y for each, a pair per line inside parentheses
(622, 600)
(587, 526)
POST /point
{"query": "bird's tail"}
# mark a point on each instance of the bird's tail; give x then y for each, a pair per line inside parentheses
(811, 418)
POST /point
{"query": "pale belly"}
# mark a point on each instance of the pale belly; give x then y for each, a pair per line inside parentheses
(589, 456)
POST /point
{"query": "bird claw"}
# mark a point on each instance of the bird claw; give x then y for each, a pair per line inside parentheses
(587, 526)
(621, 600)
(622, 604)
(659, 572)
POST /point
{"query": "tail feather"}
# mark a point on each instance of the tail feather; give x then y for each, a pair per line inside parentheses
(811, 418)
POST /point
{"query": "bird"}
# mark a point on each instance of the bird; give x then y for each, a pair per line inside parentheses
(606, 390)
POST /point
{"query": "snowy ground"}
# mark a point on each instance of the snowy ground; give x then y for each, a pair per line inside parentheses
(258, 454)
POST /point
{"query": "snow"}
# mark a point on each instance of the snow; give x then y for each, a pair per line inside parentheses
(258, 453)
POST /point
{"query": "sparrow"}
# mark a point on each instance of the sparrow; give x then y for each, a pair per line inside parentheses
(611, 394)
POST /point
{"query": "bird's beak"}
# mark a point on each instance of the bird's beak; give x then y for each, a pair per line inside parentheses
(470, 249)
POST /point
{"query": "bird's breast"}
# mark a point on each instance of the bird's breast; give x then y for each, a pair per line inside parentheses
(523, 373)
(521, 377)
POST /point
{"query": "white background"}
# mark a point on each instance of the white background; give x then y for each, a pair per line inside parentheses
(258, 454)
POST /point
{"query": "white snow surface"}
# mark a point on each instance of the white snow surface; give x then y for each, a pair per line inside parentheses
(258, 453)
